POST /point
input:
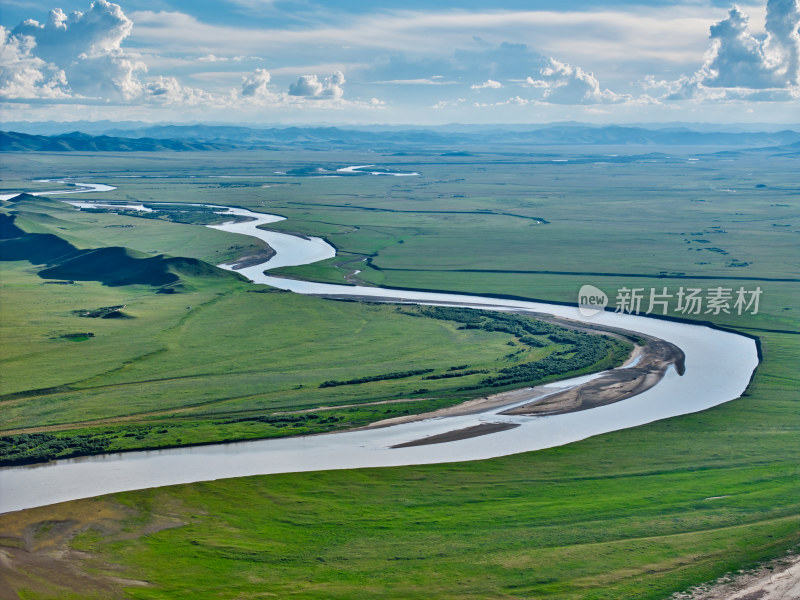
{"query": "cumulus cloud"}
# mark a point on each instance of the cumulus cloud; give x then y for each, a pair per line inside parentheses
(488, 84)
(741, 65)
(737, 58)
(306, 85)
(565, 84)
(86, 47)
(309, 86)
(783, 44)
(80, 57)
(255, 86)
(170, 91)
(23, 75)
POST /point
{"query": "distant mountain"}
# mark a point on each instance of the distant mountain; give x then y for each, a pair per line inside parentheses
(107, 127)
(62, 127)
(77, 141)
(673, 136)
(438, 140)
(525, 136)
(246, 137)
(786, 150)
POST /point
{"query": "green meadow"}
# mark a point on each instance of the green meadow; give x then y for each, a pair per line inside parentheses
(640, 513)
(100, 358)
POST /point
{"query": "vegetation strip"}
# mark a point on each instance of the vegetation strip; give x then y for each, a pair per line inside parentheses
(383, 377)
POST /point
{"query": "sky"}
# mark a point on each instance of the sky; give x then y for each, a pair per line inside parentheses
(411, 62)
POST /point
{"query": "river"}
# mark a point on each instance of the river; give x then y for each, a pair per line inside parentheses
(719, 365)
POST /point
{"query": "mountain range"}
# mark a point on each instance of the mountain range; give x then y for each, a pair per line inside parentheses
(223, 137)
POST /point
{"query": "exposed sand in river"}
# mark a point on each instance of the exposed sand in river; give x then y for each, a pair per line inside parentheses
(612, 386)
(644, 369)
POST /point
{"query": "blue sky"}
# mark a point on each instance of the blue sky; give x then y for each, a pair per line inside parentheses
(415, 62)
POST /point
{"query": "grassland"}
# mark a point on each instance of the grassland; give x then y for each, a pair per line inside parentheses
(220, 360)
(637, 514)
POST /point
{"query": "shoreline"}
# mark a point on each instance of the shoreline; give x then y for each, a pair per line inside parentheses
(643, 369)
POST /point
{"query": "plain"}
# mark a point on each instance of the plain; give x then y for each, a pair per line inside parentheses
(633, 514)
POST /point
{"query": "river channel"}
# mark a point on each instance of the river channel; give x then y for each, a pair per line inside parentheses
(719, 365)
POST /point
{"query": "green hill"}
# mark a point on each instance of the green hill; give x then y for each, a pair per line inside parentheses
(112, 266)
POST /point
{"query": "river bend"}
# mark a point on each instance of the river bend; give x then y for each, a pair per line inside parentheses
(719, 365)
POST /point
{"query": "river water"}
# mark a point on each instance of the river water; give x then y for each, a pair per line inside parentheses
(718, 368)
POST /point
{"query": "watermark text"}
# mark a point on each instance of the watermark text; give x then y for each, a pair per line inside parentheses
(662, 301)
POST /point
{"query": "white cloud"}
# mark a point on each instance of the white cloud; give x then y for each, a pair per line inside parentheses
(211, 58)
(446, 103)
(306, 85)
(743, 66)
(98, 57)
(673, 34)
(255, 85)
(737, 59)
(87, 48)
(489, 83)
(515, 101)
(168, 90)
(783, 44)
(564, 84)
(309, 86)
(80, 58)
(23, 75)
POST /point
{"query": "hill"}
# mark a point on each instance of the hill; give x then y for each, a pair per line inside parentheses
(77, 141)
(112, 266)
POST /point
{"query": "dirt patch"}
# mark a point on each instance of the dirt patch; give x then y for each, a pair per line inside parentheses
(459, 434)
(778, 580)
(37, 555)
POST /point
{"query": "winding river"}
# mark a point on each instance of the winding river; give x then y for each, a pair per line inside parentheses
(718, 368)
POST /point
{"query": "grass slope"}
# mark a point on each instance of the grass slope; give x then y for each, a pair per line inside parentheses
(87, 230)
(112, 266)
(119, 266)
